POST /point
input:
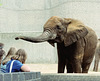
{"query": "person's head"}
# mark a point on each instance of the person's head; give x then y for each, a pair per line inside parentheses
(2, 53)
(1, 45)
(10, 53)
(20, 55)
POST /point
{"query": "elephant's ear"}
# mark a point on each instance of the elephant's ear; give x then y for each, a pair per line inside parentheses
(74, 34)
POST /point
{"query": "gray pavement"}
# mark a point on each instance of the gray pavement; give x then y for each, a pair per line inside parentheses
(50, 68)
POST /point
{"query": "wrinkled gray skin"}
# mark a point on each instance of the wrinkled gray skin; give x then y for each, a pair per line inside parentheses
(76, 43)
(97, 56)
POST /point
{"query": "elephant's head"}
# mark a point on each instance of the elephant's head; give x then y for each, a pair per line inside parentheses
(60, 30)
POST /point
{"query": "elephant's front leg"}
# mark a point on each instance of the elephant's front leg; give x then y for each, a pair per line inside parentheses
(61, 65)
(61, 59)
(77, 57)
(77, 66)
(69, 68)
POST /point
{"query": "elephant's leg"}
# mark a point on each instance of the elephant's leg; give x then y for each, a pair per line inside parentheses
(61, 65)
(97, 57)
(96, 65)
(85, 67)
(69, 68)
(77, 56)
(61, 58)
(86, 64)
(77, 66)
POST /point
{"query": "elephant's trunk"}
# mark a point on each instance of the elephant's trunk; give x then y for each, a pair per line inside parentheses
(45, 36)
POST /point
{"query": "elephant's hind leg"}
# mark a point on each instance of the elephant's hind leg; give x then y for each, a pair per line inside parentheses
(96, 62)
(85, 67)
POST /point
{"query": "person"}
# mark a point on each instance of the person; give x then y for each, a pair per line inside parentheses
(2, 54)
(17, 62)
(11, 52)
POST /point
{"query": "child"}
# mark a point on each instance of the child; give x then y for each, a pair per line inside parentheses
(2, 52)
(11, 52)
(16, 64)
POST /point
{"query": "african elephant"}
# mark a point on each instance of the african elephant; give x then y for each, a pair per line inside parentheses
(97, 56)
(76, 43)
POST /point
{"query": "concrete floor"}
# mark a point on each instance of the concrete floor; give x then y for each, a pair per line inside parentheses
(49, 68)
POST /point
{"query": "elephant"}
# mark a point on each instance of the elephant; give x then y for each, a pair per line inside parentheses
(76, 43)
(97, 56)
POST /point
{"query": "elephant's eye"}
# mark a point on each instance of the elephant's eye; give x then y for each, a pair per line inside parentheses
(58, 27)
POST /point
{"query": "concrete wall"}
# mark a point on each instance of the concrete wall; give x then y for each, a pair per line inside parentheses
(20, 76)
(37, 76)
(27, 17)
(70, 77)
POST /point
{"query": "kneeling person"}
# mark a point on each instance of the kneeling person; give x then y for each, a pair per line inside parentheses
(16, 64)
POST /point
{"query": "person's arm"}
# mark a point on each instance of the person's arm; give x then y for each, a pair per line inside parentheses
(25, 68)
